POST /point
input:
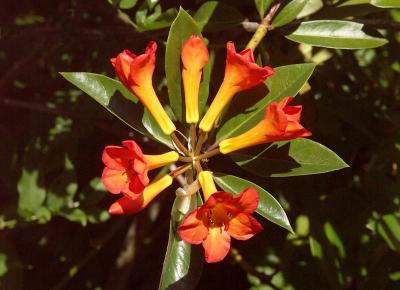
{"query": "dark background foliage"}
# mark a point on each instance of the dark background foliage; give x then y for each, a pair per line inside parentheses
(55, 230)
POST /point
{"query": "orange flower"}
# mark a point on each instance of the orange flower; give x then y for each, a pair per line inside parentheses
(136, 73)
(194, 58)
(241, 73)
(221, 217)
(281, 122)
(127, 205)
(126, 168)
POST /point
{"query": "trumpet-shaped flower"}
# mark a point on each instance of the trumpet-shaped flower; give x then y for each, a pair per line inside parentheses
(127, 205)
(126, 168)
(241, 73)
(194, 58)
(221, 217)
(281, 122)
(136, 73)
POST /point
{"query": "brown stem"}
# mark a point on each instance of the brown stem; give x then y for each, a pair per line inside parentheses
(185, 159)
(193, 137)
(198, 167)
(200, 142)
(179, 144)
(180, 170)
(208, 154)
(263, 27)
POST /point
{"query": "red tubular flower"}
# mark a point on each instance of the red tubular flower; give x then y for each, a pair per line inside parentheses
(281, 123)
(194, 58)
(127, 205)
(136, 73)
(220, 218)
(126, 168)
(241, 73)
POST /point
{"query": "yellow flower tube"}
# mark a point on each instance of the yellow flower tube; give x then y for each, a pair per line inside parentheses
(207, 183)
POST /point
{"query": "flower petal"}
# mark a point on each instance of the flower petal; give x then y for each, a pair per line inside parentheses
(243, 227)
(116, 157)
(247, 200)
(114, 180)
(216, 245)
(142, 67)
(192, 230)
(134, 148)
(126, 205)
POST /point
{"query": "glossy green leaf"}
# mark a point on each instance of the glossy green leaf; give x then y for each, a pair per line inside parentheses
(268, 206)
(287, 81)
(386, 3)
(127, 4)
(157, 20)
(154, 129)
(335, 34)
(262, 6)
(214, 15)
(289, 158)
(181, 29)
(31, 193)
(183, 262)
(103, 90)
(310, 8)
(289, 12)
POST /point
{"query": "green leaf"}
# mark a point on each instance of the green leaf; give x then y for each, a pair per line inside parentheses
(157, 20)
(335, 34)
(154, 129)
(268, 206)
(388, 227)
(287, 81)
(3, 264)
(31, 194)
(262, 6)
(127, 4)
(386, 3)
(181, 29)
(311, 7)
(289, 158)
(289, 12)
(214, 15)
(183, 262)
(103, 89)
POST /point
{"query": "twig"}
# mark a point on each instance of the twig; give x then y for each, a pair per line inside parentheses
(263, 27)
(208, 154)
(180, 170)
(179, 144)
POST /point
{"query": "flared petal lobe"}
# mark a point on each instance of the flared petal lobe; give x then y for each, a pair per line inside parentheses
(281, 123)
(126, 168)
(136, 73)
(127, 205)
(194, 57)
(221, 217)
(241, 73)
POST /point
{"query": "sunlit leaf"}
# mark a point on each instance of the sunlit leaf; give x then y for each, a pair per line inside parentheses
(268, 206)
(289, 12)
(386, 3)
(335, 34)
(289, 158)
(103, 90)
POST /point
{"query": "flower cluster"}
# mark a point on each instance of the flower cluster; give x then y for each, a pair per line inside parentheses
(222, 216)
